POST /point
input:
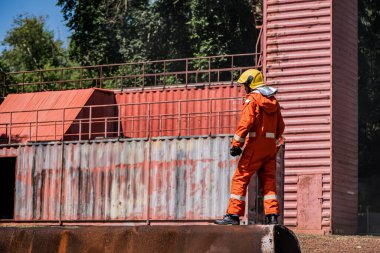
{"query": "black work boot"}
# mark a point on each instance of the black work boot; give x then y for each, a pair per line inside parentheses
(229, 219)
(271, 219)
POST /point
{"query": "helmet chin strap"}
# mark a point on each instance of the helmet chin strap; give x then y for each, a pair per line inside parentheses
(247, 83)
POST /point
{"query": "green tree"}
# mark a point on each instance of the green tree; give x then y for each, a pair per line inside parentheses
(369, 102)
(221, 27)
(97, 27)
(110, 31)
(29, 45)
(157, 31)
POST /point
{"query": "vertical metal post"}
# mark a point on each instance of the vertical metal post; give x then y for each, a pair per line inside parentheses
(210, 117)
(63, 124)
(80, 129)
(164, 73)
(179, 118)
(188, 124)
(37, 125)
(105, 127)
(148, 182)
(40, 80)
(209, 70)
(61, 179)
(149, 121)
(23, 82)
(118, 121)
(60, 83)
(219, 123)
(90, 123)
(160, 123)
(10, 129)
(62, 163)
(101, 76)
(81, 78)
(186, 72)
(143, 75)
(232, 67)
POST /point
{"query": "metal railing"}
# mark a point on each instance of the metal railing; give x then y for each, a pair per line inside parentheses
(133, 120)
(206, 70)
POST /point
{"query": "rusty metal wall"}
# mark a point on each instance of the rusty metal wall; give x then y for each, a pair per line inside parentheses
(345, 117)
(297, 60)
(195, 110)
(39, 116)
(167, 179)
(23, 108)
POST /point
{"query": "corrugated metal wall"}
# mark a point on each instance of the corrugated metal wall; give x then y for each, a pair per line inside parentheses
(345, 117)
(297, 60)
(195, 110)
(20, 112)
(39, 116)
(169, 179)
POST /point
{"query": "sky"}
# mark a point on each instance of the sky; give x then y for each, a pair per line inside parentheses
(9, 9)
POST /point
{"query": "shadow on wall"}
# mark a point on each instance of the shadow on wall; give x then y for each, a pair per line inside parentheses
(4, 138)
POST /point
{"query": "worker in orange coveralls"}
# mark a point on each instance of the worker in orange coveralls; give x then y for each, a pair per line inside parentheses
(260, 127)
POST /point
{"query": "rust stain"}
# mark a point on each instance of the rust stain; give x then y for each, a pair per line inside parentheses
(63, 242)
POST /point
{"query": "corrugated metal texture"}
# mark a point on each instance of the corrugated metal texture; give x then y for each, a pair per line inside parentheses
(131, 96)
(22, 113)
(190, 179)
(37, 181)
(105, 180)
(345, 117)
(197, 110)
(297, 60)
(39, 116)
(186, 179)
(158, 179)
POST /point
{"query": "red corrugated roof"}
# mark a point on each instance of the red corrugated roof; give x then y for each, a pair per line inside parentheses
(23, 110)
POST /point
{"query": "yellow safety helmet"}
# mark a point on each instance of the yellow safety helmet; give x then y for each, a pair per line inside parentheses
(252, 78)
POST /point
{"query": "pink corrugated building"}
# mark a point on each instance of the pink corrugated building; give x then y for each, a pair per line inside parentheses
(310, 54)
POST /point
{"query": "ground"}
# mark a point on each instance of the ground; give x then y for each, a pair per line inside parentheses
(339, 244)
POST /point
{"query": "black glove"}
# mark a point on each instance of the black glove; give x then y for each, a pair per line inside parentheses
(234, 151)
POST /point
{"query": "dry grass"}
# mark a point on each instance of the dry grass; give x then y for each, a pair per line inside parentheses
(338, 244)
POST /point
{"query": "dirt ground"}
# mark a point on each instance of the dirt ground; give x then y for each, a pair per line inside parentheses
(339, 244)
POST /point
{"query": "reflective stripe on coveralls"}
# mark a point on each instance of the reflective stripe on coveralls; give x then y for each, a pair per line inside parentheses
(273, 196)
(260, 118)
(233, 196)
(267, 135)
(238, 138)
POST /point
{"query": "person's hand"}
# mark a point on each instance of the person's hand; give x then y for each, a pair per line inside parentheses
(234, 151)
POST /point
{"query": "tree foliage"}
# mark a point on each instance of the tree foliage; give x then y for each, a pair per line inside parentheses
(221, 27)
(106, 31)
(96, 27)
(29, 45)
(369, 99)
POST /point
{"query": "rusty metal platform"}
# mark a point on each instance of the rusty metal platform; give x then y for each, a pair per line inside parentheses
(166, 239)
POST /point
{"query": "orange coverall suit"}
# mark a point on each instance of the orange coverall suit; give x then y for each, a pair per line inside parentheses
(261, 121)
